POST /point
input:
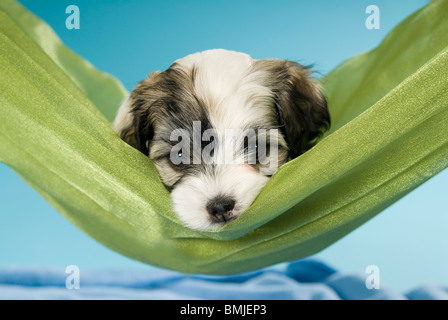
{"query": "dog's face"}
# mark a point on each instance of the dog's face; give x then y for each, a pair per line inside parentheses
(218, 124)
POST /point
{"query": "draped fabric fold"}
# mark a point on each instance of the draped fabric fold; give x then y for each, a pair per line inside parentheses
(389, 134)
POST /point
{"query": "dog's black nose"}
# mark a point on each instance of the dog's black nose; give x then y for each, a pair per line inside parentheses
(220, 209)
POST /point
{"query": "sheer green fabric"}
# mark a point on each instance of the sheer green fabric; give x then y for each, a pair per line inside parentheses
(389, 134)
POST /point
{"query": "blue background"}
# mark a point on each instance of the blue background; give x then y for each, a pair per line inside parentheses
(129, 39)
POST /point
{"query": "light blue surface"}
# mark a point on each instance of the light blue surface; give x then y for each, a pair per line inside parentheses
(306, 279)
(129, 39)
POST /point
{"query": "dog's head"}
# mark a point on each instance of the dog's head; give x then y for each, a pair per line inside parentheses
(218, 124)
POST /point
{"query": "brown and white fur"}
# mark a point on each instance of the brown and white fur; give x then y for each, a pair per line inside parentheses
(222, 90)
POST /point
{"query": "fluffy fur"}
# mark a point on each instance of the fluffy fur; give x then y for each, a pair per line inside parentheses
(218, 91)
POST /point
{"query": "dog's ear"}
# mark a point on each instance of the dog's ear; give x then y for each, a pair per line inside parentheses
(302, 108)
(132, 122)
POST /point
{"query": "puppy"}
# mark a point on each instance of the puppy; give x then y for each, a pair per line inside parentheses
(218, 124)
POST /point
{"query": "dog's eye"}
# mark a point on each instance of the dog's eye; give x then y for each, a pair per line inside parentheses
(179, 154)
(251, 148)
